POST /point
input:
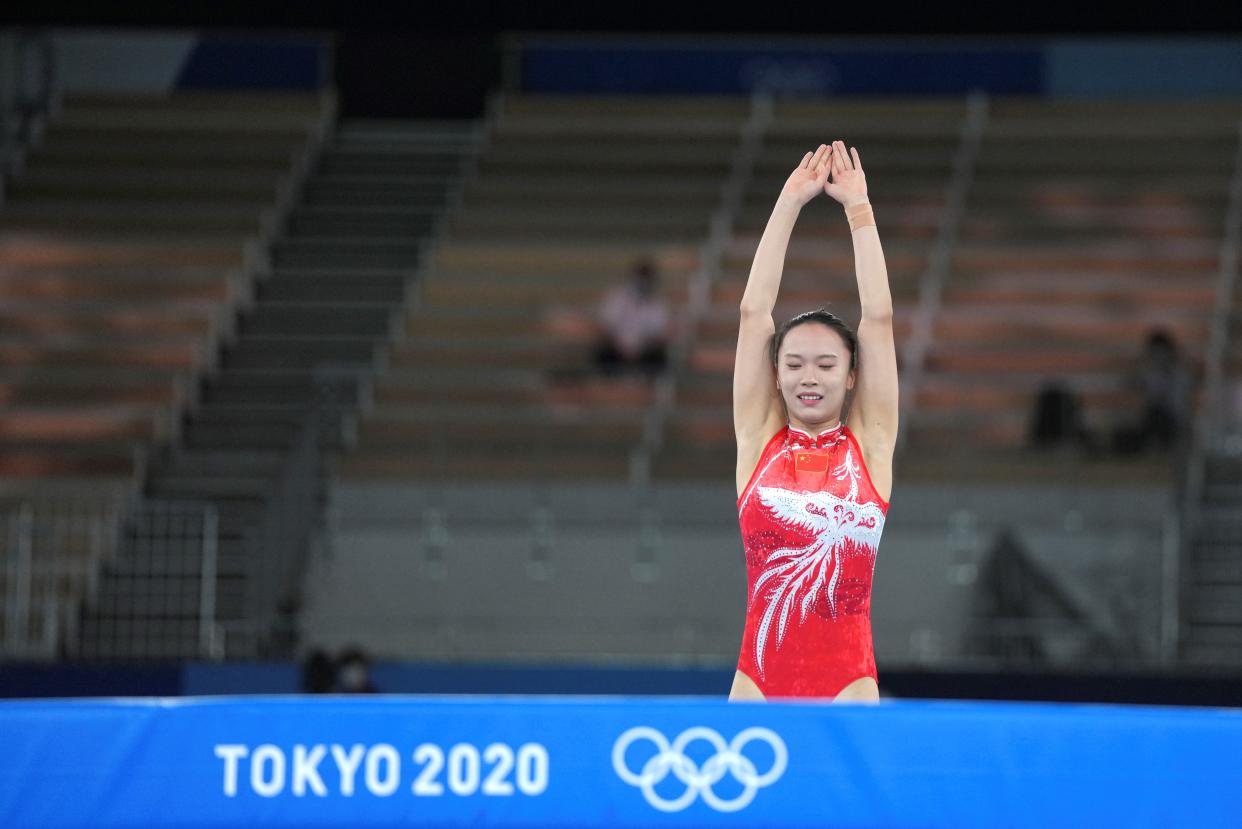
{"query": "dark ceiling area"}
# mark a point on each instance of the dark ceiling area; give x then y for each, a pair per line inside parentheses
(475, 17)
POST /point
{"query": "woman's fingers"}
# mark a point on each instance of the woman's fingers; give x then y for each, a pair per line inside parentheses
(825, 161)
(846, 164)
(835, 158)
(825, 168)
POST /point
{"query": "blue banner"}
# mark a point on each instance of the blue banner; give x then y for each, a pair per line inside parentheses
(571, 762)
(630, 68)
(255, 63)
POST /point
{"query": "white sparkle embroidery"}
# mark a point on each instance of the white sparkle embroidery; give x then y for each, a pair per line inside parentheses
(840, 526)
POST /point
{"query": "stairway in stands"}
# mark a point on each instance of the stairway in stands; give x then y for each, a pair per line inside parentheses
(123, 237)
(569, 193)
(1212, 637)
(338, 278)
(1212, 596)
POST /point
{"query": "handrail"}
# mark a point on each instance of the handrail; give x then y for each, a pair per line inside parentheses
(1208, 421)
(288, 515)
(1206, 425)
(24, 111)
(296, 500)
(256, 262)
(280, 542)
(1170, 594)
(290, 187)
(711, 253)
(210, 641)
(279, 545)
(932, 281)
(19, 579)
(467, 174)
(38, 529)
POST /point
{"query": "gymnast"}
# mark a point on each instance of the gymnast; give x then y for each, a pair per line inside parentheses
(813, 491)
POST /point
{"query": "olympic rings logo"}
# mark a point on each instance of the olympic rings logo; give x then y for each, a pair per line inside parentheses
(671, 757)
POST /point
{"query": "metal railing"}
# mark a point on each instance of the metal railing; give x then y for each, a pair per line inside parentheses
(171, 549)
(711, 254)
(468, 174)
(1206, 426)
(29, 94)
(1170, 590)
(932, 281)
(56, 550)
(161, 601)
(276, 548)
(51, 550)
(257, 260)
(171, 574)
(1101, 600)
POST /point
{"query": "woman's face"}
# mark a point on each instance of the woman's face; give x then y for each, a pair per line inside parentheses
(813, 374)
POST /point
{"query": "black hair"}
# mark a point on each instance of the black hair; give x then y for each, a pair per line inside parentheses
(824, 317)
(1160, 339)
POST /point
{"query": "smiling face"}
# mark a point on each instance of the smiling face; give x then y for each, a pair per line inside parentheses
(813, 375)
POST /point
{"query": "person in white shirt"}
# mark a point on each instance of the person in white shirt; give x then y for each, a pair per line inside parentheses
(634, 324)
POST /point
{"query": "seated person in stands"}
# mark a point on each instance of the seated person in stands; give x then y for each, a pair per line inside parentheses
(1164, 381)
(354, 672)
(1057, 419)
(635, 325)
(318, 673)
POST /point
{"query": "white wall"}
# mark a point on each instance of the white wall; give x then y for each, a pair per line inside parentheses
(464, 572)
(121, 62)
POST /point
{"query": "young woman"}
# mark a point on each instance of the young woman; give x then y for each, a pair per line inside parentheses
(812, 491)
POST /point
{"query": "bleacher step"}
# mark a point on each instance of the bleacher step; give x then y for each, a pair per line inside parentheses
(300, 319)
(350, 252)
(331, 289)
(214, 487)
(289, 352)
(190, 464)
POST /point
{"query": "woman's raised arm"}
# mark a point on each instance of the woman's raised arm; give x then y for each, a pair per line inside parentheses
(875, 408)
(756, 403)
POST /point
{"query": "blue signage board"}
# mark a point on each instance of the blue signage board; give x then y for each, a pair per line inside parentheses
(579, 762)
(634, 68)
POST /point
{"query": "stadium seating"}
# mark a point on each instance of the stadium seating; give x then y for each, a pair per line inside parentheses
(1073, 245)
(492, 377)
(124, 243)
(122, 246)
(1076, 243)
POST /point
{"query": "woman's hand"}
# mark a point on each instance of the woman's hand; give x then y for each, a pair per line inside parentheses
(809, 178)
(848, 184)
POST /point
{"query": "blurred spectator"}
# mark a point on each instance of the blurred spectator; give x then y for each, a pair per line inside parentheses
(1057, 420)
(318, 673)
(354, 672)
(1231, 417)
(1163, 381)
(634, 323)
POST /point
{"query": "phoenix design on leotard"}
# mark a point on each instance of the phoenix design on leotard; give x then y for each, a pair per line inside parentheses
(796, 576)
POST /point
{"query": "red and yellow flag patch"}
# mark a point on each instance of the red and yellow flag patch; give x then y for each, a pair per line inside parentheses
(811, 462)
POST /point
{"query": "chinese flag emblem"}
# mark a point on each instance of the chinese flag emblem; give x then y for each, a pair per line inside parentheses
(811, 462)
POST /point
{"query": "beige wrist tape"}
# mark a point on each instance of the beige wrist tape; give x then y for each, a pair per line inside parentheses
(860, 215)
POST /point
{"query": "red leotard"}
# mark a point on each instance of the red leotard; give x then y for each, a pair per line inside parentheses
(811, 522)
